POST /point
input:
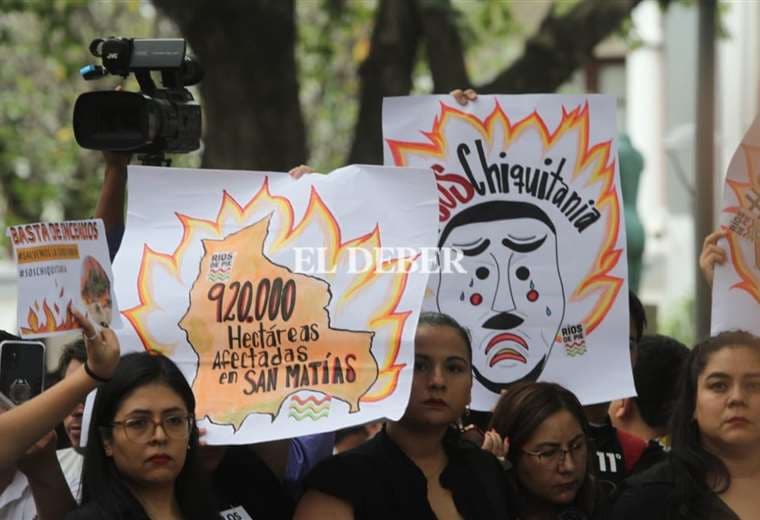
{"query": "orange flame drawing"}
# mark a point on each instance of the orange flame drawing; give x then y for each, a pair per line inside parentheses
(52, 322)
(177, 270)
(596, 157)
(750, 283)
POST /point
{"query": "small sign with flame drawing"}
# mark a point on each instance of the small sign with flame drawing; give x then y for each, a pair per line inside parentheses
(60, 265)
(736, 287)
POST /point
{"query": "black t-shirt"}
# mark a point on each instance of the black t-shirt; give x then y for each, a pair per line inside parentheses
(244, 480)
(381, 482)
(620, 454)
(609, 457)
(652, 455)
(667, 491)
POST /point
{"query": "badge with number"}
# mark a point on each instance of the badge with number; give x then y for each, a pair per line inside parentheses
(235, 513)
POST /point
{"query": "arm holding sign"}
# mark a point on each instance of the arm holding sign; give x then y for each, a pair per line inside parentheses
(712, 255)
(110, 206)
(25, 424)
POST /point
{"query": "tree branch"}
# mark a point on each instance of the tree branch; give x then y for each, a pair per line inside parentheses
(387, 71)
(444, 46)
(561, 45)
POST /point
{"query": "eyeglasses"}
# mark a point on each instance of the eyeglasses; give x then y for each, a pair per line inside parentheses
(556, 456)
(142, 429)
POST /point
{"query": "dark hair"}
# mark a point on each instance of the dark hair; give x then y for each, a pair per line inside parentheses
(439, 319)
(74, 351)
(495, 210)
(655, 375)
(637, 313)
(520, 411)
(686, 444)
(101, 481)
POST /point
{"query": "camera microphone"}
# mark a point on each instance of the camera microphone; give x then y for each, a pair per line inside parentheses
(96, 47)
(91, 72)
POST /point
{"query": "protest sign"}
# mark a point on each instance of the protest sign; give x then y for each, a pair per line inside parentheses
(61, 264)
(529, 194)
(288, 304)
(736, 284)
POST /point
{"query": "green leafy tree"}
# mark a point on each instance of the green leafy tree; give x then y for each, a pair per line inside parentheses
(286, 82)
(43, 44)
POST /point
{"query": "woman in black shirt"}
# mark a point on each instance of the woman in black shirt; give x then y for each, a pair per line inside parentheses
(417, 467)
(141, 459)
(714, 468)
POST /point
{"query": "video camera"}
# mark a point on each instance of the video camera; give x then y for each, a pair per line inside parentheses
(153, 121)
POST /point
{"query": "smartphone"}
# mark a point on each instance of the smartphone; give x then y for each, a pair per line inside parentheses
(22, 369)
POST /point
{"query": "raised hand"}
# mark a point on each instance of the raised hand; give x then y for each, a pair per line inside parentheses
(493, 443)
(300, 171)
(464, 96)
(712, 255)
(103, 349)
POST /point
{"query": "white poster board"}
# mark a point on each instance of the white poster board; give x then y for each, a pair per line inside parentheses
(250, 282)
(529, 193)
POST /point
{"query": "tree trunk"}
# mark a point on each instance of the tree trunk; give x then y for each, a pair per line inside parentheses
(387, 71)
(252, 114)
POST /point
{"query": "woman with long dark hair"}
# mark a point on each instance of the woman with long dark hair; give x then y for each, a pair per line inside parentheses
(417, 467)
(551, 468)
(141, 457)
(714, 468)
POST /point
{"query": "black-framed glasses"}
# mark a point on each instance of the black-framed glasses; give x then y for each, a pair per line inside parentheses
(556, 455)
(142, 429)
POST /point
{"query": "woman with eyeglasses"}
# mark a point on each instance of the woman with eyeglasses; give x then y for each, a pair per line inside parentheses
(141, 456)
(551, 469)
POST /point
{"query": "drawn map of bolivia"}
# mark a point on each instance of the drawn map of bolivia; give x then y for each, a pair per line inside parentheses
(339, 363)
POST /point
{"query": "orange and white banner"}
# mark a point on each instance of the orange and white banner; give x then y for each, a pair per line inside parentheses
(736, 284)
(290, 305)
(529, 193)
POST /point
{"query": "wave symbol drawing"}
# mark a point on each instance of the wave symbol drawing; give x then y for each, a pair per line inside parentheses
(309, 408)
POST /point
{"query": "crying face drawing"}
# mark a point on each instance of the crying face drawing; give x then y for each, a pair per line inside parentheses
(511, 296)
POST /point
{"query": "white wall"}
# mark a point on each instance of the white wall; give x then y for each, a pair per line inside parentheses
(8, 296)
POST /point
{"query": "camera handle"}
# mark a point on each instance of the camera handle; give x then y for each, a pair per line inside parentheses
(147, 85)
(154, 159)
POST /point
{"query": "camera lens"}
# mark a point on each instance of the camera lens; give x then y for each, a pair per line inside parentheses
(20, 391)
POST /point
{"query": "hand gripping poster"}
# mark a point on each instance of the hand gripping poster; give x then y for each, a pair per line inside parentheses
(529, 199)
(736, 284)
(290, 305)
(62, 265)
